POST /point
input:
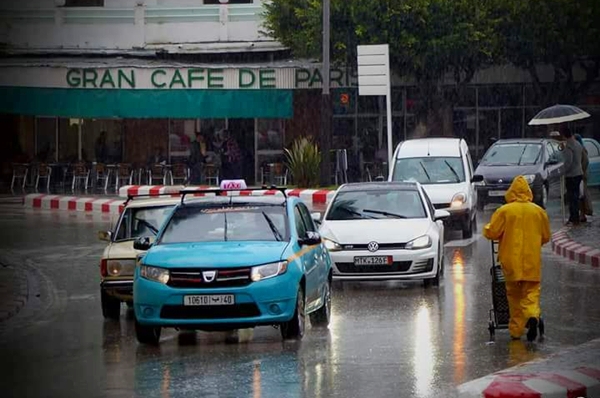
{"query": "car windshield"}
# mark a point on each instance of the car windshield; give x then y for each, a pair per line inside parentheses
(430, 170)
(512, 155)
(220, 223)
(138, 222)
(377, 205)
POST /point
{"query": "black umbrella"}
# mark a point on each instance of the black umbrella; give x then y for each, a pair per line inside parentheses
(558, 114)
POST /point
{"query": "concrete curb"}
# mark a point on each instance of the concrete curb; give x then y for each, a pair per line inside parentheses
(569, 374)
(309, 196)
(566, 247)
(73, 203)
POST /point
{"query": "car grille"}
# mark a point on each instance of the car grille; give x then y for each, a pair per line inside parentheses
(498, 181)
(441, 205)
(396, 266)
(192, 278)
(382, 246)
(246, 310)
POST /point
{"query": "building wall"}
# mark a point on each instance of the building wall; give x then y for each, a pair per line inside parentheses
(127, 24)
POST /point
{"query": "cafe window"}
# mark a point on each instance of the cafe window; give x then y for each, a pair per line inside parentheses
(84, 3)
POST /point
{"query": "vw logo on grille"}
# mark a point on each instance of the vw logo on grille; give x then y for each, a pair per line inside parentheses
(373, 246)
(500, 181)
(209, 276)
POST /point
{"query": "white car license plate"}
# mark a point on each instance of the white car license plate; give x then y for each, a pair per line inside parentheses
(497, 193)
(212, 299)
(373, 260)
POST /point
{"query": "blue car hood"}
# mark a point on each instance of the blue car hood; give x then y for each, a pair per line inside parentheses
(215, 254)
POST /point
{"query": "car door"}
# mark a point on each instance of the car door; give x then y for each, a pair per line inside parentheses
(307, 257)
(551, 164)
(472, 189)
(593, 173)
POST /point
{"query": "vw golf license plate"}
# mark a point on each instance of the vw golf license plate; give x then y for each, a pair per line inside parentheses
(373, 260)
(212, 299)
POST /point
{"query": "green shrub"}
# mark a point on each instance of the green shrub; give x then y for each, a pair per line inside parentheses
(303, 160)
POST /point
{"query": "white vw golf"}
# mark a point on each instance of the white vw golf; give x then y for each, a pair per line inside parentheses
(381, 231)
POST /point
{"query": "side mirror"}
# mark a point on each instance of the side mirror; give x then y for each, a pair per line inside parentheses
(477, 178)
(440, 215)
(105, 235)
(142, 243)
(311, 238)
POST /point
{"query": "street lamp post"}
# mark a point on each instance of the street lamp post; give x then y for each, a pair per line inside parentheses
(326, 111)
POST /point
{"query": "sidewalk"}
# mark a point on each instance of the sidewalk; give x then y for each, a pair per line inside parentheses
(579, 243)
(572, 373)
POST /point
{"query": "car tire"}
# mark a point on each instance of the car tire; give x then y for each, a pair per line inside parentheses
(111, 307)
(322, 316)
(544, 199)
(435, 281)
(294, 328)
(468, 228)
(147, 334)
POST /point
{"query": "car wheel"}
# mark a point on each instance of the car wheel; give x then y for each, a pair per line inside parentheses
(111, 307)
(294, 328)
(468, 228)
(147, 334)
(322, 316)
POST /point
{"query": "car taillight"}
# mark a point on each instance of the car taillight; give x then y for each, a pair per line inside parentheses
(103, 265)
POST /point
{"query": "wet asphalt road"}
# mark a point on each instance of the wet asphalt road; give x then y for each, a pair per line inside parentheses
(385, 339)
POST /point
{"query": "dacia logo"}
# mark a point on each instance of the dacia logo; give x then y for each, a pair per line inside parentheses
(209, 276)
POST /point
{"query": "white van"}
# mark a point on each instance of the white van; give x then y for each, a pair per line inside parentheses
(445, 169)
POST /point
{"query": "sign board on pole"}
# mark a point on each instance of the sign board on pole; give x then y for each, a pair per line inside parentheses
(374, 79)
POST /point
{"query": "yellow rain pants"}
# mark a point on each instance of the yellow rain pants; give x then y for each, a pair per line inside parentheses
(523, 303)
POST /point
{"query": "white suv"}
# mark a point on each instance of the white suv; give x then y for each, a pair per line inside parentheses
(445, 169)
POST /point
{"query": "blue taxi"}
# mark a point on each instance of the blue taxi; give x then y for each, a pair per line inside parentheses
(231, 262)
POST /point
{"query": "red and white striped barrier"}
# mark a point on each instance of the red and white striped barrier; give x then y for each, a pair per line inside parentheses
(74, 203)
(579, 382)
(309, 196)
(564, 246)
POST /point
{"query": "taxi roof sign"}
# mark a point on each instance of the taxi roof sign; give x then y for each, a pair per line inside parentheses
(233, 185)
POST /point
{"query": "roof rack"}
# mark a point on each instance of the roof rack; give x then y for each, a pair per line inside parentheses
(130, 197)
(222, 192)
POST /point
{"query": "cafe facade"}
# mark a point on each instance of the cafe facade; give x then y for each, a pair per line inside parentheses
(55, 110)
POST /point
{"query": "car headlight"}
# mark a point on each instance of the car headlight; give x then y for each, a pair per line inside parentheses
(119, 267)
(421, 242)
(268, 270)
(530, 178)
(458, 200)
(154, 274)
(331, 245)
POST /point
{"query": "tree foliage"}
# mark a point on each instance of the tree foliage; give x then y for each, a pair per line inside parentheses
(435, 39)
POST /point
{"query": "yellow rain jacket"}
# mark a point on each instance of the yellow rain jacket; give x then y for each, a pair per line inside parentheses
(522, 227)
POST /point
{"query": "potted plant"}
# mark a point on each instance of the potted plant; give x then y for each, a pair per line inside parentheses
(303, 160)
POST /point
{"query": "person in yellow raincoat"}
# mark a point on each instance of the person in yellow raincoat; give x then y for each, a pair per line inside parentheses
(521, 227)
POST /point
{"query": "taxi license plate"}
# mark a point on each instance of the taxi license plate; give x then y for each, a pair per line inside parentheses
(497, 193)
(212, 299)
(373, 260)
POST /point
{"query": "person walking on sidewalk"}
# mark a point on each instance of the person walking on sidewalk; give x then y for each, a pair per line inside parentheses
(522, 227)
(573, 154)
(585, 201)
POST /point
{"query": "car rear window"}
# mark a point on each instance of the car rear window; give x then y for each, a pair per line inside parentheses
(512, 154)
(210, 223)
(377, 205)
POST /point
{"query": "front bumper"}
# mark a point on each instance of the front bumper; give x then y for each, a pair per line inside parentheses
(266, 302)
(494, 193)
(121, 289)
(407, 265)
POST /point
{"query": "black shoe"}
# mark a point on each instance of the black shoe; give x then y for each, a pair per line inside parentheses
(532, 325)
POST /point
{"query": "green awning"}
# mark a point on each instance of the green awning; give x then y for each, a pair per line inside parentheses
(151, 103)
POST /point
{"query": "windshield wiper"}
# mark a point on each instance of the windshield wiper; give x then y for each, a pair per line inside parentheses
(225, 227)
(147, 224)
(453, 171)
(384, 213)
(425, 170)
(276, 232)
